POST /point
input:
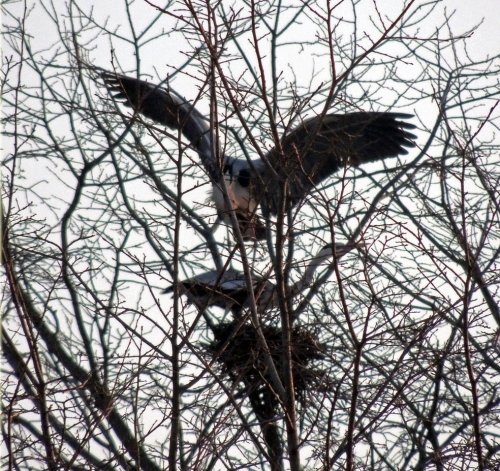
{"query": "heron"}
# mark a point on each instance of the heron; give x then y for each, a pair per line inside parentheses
(229, 290)
(305, 156)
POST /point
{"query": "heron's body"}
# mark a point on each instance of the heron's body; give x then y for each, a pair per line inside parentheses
(229, 289)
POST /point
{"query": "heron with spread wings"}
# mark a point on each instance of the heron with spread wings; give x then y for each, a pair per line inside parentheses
(307, 155)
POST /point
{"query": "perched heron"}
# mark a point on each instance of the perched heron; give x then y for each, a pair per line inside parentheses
(306, 155)
(229, 290)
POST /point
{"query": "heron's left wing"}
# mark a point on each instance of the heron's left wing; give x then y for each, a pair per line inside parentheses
(322, 145)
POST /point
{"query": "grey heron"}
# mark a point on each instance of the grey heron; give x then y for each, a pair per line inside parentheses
(306, 155)
(229, 290)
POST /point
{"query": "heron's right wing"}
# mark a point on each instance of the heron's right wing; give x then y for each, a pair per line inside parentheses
(165, 106)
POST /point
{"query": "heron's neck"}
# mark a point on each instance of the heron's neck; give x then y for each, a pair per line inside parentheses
(313, 265)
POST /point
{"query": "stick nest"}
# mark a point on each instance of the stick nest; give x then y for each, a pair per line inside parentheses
(240, 352)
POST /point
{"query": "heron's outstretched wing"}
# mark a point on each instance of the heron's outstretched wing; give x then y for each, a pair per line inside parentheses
(320, 146)
(165, 106)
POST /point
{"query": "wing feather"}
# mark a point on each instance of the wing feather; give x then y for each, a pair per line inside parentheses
(318, 147)
(167, 107)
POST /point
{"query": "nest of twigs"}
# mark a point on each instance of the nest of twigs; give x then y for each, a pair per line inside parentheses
(240, 352)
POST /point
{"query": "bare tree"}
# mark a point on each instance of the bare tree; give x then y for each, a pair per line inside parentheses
(387, 359)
